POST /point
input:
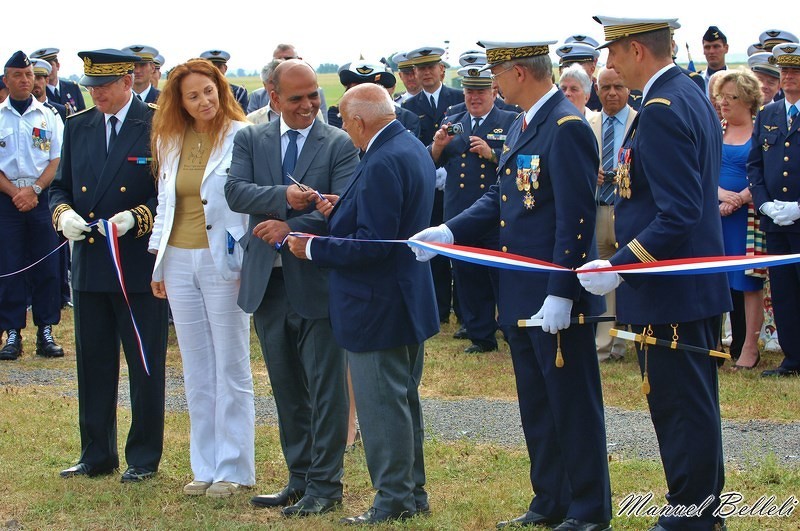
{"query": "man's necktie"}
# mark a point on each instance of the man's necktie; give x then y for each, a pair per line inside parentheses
(476, 123)
(433, 103)
(139, 96)
(290, 158)
(792, 114)
(605, 193)
(55, 93)
(111, 139)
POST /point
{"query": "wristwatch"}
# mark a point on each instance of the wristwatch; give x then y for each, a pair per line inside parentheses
(36, 189)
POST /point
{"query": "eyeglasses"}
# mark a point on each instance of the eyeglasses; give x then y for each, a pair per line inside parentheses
(102, 88)
(495, 76)
(729, 97)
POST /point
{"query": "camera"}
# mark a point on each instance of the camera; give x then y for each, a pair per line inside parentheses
(455, 129)
(610, 176)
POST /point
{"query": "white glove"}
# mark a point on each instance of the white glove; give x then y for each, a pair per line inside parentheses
(72, 226)
(440, 234)
(441, 178)
(123, 220)
(788, 213)
(598, 283)
(554, 313)
(770, 209)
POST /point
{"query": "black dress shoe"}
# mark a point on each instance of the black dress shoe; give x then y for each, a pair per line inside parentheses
(780, 371)
(423, 508)
(529, 519)
(477, 348)
(83, 469)
(135, 474)
(375, 516)
(280, 499)
(572, 524)
(13, 347)
(310, 505)
(461, 333)
(45, 344)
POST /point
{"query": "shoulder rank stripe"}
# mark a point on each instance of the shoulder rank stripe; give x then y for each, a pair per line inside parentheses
(73, 115)
(640, 252)
(659, 100)
(569, 118)
(153, 106)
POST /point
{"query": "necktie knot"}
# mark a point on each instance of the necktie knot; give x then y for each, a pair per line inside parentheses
(476, 123)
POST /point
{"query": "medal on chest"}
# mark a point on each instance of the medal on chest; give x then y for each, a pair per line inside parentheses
(41, 139)
(624, 172)
(528, 178)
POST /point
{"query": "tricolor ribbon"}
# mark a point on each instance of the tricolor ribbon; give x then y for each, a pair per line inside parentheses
(112, 241)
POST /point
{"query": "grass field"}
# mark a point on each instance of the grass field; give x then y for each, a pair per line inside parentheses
(472, 485)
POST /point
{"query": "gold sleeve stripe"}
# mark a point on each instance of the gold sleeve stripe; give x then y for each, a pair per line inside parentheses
(60, 209)
(659, 100)
(640, 252)
(568, 119)
(144, 220)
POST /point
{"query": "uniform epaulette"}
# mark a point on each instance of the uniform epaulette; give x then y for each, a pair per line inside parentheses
(761, 108)
(693, 74)
(659, 100)
(73, 115)
(51, 107)
(569, 118)
(153, 106)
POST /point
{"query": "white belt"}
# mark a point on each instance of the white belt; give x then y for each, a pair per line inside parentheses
(22, 183)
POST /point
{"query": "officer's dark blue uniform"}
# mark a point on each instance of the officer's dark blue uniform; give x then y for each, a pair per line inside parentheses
(667, 208)
(67, 92)
(429, 122)
(469, 176)
(220, 59)
(773, 169)
(544, 205)
(97, 186)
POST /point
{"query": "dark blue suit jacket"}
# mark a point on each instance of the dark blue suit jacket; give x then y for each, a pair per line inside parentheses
(240, 94)
(771, 177)
(96, 186)
(675, 147)
(380, 296)
(559, 225)
(68, 92)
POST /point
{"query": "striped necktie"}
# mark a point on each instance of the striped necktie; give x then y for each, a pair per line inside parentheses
(605, 193)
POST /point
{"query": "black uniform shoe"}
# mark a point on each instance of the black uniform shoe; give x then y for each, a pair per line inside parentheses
(778, 371)
(280, 499)
(572, 524)
(13, 348)
(478, 348)
(375, 516)
(529, 519)
(134, 474)
(84, 469)
(461, 333)
(310, 505)
(45, 344)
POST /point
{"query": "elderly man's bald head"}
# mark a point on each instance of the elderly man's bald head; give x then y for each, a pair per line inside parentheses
(365, 110)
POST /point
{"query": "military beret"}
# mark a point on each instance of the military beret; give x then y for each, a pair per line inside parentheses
(499, 52)
(616, 28)
(41, 67)
(760, 62)
(216, 56)
(713, 33)
(770, 38)
(576, 52)
(583, 39)
(425, 55)
(18, 60)
(787, 55)
(101, 67)
(362, 71)
(48, 54)
(147, 53)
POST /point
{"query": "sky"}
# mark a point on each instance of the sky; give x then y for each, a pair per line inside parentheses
(343, 31)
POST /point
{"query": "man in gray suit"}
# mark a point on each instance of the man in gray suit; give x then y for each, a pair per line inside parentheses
(289, 297)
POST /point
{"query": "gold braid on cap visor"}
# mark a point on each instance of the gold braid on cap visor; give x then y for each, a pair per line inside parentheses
(613, 33)
(105, 69)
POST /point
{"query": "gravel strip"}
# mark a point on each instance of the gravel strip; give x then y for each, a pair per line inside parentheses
(630, 433)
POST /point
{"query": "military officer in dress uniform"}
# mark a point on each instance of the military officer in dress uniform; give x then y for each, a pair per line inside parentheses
(105, 174)
(584, 54)
(543, 203)
(405, 69)
(430, 105)
(773, 169)
(143, 73)
(30, 147)
(220, 59)
(59, 90)
(363, 71)
(477, 59)
(41, 72)
(468, 146)
(666, 208)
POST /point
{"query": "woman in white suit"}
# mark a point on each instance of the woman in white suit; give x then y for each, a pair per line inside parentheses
(197, 239)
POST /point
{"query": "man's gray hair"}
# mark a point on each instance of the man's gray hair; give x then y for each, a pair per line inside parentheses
(540, 66)
(576, 72)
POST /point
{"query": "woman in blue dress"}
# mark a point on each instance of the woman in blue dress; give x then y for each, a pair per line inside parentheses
(739, 97)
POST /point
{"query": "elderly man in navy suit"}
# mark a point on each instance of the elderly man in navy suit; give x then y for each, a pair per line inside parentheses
(382, 300)
(544, 205)
(667, 208)
(774, 173)
(104, 174)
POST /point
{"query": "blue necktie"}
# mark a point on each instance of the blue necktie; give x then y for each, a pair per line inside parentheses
(290, 158)
(605, 194)
(792, 113)
(476, 123)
